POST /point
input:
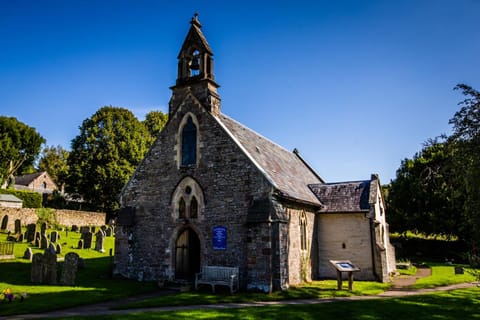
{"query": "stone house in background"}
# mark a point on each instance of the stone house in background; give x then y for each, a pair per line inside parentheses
(40, 182)
(213, 192)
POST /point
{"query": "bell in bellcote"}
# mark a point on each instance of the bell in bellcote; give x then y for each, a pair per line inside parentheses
(195, 65)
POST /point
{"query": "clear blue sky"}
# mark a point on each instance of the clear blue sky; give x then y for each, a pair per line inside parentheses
(356, 86)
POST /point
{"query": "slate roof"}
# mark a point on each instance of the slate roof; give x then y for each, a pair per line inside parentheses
(26, 179)
(343, 196)
(9, 198)
(288, 173)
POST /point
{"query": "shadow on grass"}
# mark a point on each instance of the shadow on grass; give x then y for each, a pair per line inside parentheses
(93, 284)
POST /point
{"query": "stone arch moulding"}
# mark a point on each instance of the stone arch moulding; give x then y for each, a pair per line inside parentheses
(190, 191)
(179, 139)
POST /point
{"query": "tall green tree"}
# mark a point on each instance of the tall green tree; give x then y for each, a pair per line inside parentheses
(427, 195)
(54, 161)
(155, 121)
(20, 144)
(110, 145)
(466, 133)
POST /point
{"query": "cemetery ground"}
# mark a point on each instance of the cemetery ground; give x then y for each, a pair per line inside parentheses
(94, 284)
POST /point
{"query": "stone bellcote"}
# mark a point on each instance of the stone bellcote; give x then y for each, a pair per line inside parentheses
(195, 72)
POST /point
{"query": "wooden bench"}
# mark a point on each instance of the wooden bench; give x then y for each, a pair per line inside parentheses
(213, 275)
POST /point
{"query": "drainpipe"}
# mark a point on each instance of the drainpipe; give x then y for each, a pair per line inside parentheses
(372, 247)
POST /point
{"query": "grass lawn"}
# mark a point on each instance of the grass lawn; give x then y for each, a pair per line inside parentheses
(443, 275)
(454, 305)
(93, 283)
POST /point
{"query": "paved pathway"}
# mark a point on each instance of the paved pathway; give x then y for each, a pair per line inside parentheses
(399, 289)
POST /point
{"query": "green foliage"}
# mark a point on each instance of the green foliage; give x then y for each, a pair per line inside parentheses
(30, 199)
(19, 146)
(155, 121)
(104, 155)
(54, 161)
(47, 215)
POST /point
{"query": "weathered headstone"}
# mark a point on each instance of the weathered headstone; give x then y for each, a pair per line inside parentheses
(87, 240)
(58, 248)
(31, 231)
(74, 228)
(92, 229)
(43, 228)
(54, 236)
(70, 267)
(80, 244)
(49, 274)
(18, 226)
(84, 229)
(108, 232)
(20, 237)
(43, 242)
(99, 241)
(28, 254)
(37, 242)
(37, 268)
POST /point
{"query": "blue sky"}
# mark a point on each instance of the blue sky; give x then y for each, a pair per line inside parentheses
(356, 86)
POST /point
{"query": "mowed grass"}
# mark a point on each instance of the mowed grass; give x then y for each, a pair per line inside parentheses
(93, 283)
(454, 305)
(443, 275)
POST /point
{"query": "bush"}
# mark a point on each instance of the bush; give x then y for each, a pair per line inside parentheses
(30, 199)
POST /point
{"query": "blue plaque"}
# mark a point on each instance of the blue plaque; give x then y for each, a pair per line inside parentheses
(219, 238)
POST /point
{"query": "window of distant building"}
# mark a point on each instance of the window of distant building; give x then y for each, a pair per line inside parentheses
(189, 143)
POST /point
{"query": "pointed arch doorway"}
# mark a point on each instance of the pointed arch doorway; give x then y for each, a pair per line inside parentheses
(187, 255)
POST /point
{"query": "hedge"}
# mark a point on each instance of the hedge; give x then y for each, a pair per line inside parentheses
(30, 199)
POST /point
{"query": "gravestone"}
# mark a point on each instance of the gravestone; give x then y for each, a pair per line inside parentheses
(4, 222)
(37, 242)
(37, 268)
(49, 274)
(80, 244)
(108, 232)
(70, 267)
(74, 228)
(43, 229)
(20, 237)
(84, 229)
(58, 248)
(28, 254)
(87, 240)
(99, 241)
(31, 231)
(37, 235)
(43, 242)
(92, 229)
(54, 236)
(18, 226)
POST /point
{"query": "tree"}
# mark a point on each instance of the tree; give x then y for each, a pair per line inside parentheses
(19, 146)
(104, 155)
(54, 161)
(155, 121)
(466, 133)
(427, 196)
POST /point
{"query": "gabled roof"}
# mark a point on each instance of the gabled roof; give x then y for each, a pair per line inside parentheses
(288, 173)
(26, 179)
(195, 35)
(343, 196)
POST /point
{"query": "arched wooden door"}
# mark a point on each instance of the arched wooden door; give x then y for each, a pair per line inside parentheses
(187, 255)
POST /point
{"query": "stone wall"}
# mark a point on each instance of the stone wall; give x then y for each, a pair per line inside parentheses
(345, 236)
(64, 217)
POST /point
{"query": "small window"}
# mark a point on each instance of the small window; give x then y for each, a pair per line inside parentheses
(181, 208)
(44, 184)
(189, 143)
(303, 232)
(193, 208)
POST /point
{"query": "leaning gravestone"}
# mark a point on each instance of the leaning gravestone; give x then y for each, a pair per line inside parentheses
(87, 240)
(70, 267)
(28, 254)
(99, 241)
(31, 231)
(18, 226)
(4, 223)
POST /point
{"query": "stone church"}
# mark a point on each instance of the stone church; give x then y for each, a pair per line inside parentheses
(212, 192)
